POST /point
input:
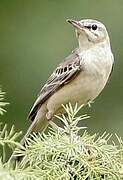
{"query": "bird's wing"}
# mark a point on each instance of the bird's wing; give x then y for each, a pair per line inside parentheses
(63, 74)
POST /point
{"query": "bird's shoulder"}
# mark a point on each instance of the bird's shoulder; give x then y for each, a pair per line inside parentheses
(70, 65)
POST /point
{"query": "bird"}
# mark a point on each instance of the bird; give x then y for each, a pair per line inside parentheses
(80, 77)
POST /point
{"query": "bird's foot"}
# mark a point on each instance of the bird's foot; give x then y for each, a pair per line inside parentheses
(56, 127)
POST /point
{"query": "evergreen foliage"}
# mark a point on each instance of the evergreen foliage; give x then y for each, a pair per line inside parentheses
(67, 154)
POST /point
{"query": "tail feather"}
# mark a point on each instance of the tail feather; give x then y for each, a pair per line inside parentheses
(39, 124)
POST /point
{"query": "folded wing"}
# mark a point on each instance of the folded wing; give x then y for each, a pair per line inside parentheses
(63, 74)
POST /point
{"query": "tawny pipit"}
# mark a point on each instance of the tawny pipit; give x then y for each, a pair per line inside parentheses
(79, 79)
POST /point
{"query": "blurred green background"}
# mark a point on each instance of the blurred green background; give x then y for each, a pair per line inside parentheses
(35, 38)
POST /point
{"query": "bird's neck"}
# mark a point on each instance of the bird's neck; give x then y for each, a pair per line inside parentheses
(84, 44)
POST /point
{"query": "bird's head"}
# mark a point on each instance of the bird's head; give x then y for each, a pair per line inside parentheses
(90, 32)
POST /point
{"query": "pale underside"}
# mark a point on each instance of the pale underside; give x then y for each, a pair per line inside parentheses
(70, 82)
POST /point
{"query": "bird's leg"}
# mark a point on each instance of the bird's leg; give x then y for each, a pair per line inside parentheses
(49, 116)
(89, 103)
(56, 127)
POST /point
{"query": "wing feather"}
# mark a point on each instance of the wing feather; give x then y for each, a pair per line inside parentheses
(63, 74)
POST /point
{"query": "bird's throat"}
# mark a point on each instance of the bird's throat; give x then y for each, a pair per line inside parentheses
(84, 42)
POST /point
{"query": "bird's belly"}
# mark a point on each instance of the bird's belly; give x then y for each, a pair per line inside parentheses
(82, 89)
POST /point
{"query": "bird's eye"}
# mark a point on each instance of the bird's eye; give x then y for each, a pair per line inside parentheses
(94, 27)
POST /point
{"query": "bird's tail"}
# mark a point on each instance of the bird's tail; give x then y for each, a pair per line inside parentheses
(39, 124)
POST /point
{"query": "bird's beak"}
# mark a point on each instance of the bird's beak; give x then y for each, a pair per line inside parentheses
(75, 23)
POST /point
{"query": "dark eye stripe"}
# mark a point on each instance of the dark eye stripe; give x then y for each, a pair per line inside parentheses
(89, 27)
(93, 27)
